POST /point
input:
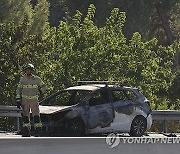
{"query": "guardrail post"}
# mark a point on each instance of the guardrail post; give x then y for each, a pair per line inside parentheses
(165, 126)
(17, 124)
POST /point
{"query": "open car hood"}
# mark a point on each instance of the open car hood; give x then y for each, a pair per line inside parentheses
(52, 109)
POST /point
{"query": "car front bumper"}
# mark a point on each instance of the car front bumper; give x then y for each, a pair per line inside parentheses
(149, 121)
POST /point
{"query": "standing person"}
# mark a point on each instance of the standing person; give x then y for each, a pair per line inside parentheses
(28, 90)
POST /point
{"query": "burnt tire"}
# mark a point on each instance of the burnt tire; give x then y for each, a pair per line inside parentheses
(75, 127)
(138, 126)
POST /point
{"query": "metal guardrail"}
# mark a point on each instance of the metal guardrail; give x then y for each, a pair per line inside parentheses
(165, 116)
(158, 115)
(11, 111)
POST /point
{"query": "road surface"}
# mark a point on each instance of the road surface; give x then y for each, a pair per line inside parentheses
(152, 144)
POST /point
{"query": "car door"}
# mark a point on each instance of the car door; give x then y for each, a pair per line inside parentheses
(100, 111)
(124, 110)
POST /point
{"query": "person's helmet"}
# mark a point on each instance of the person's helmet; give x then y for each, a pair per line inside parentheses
(30, 66)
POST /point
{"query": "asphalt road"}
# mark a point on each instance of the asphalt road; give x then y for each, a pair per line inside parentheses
(152, 144)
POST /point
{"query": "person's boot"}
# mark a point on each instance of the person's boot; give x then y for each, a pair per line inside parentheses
(37, 126)
(38, 131)
(26, 127)
(26, 132)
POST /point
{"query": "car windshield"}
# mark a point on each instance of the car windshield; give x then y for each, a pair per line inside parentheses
(68, 98)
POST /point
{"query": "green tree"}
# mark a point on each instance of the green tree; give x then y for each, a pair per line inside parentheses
(40, 17)
(15, 10)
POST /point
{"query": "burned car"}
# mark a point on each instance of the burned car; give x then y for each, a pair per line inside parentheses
(96, 108)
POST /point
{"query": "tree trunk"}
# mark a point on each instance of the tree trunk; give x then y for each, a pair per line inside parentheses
(165, 23)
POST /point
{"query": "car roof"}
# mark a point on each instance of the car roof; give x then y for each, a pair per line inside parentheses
(93, 87)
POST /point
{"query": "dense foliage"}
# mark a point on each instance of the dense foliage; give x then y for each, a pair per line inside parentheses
(80, 50)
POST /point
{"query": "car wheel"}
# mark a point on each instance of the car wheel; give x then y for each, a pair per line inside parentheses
(75, 127)
(138, 126)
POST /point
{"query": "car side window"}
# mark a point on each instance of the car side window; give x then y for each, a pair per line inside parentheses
(79, 95)
(118, 95)
(131, 95)
(99, 98)
(61, 99)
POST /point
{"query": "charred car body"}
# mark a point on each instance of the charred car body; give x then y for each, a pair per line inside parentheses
(96, 108)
